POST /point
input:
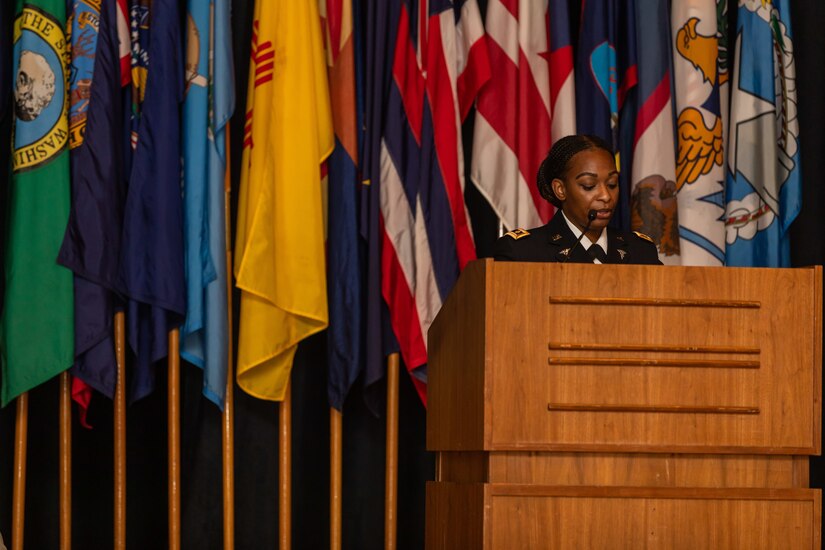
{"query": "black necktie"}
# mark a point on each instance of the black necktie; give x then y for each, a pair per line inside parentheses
(597, 253)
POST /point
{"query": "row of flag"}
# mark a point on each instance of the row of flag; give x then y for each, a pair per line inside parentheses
(649, 77)
(351, 213)
(707, 142)
(110, 99)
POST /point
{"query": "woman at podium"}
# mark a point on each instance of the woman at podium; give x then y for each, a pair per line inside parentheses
(578, 177)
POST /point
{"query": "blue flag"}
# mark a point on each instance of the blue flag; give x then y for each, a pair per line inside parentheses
(380, 32)
(151, 268)
(222, 88)
(205, 334)
(605, 66)
(606, 73)
(763, 184)
(91, 245)
(345, 253)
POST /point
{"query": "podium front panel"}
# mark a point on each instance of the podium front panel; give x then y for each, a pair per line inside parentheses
(552, 518)
(493, 517)
(640, 358)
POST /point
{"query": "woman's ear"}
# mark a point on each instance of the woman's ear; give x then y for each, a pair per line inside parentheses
(558, 189)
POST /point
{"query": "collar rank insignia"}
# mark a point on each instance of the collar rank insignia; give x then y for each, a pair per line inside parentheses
(622, 253)
(555, 238)
(643, 236)
(517, 234)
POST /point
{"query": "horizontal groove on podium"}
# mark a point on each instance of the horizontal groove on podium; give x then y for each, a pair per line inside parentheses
(693, 493)
(683, 409)
(641, 362)
(666, 302)
(667, 348)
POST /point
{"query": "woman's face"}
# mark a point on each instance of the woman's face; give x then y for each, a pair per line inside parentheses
(591, 183)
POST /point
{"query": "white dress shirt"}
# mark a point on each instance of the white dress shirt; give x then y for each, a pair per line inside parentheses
(586, 243)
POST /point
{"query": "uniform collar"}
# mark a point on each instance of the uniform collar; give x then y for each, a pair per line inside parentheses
(586, 243)
(618, 247)
(561, 239)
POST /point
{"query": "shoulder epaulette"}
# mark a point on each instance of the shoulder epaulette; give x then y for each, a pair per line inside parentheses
(643, 236)
(516, 234)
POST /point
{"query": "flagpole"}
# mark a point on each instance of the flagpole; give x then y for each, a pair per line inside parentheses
(391, 473)
(228, 440)
(228, 432)
(19, 492)
(173, 435)
(285, 470)
(335, 475)
(65, 461)
(120, 432)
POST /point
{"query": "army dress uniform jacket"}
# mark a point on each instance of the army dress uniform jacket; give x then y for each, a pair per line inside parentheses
(553, 242)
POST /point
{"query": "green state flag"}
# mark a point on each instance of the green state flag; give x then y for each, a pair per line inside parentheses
(37, 327)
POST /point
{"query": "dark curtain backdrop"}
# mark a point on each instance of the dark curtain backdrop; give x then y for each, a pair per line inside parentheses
(256, 421)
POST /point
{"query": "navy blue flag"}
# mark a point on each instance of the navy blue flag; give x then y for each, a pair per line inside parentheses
(345, 254)
(380, 32)
(605, 66)
(152, 256)
(91, 245)
(605, 74)
(628, 98)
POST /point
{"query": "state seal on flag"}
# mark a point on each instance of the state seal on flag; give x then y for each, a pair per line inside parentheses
(41, 128)
(82, 27)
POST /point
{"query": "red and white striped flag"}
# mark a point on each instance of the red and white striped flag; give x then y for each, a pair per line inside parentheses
(527, 105)
(439, 64)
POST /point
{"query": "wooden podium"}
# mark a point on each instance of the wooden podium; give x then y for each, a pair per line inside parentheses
(612, 406)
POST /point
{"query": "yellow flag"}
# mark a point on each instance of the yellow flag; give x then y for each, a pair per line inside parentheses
(279, 261)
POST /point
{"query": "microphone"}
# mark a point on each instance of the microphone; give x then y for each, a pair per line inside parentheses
(591, 215)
